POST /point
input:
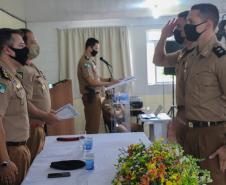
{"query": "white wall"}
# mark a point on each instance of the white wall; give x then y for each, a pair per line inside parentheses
(15, 7)
(46, 34)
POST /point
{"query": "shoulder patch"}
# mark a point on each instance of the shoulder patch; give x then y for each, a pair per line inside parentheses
(219, 51)
(86, 65)
(5, 74)
(2, 88)
(20, 75)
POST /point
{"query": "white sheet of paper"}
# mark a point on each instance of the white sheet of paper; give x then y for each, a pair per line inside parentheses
(66, 112)
(121, 83)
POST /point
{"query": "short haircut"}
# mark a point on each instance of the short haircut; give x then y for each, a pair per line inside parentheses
(6, 37)
(91, 42)
(183, 14)
(24, 32)
(208, 11)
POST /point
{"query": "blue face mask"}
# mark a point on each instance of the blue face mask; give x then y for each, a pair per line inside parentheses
(191, 33)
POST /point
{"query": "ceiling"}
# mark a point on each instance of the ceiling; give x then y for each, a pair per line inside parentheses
(68, 10)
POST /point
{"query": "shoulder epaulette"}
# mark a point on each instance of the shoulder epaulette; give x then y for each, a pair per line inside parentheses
(5, 74)
(219, 51)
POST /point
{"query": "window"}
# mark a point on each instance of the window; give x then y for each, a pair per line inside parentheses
(155, 74)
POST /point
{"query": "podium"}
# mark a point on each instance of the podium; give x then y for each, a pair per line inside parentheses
(120, 103)
(61, 94)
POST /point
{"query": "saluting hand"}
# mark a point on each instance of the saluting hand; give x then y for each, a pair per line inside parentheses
(168, 29)
(8, 174)
(221, 153)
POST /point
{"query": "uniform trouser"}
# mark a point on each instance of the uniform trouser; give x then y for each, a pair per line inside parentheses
(36, 141)
(20, 155)
(181, 127)
(92, 113)
(201, 143)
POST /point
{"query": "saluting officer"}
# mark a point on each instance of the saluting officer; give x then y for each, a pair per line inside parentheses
(176, 129)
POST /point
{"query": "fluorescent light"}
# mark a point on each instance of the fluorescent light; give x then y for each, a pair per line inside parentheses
(155, 13)
(160, 3)
(157, 7)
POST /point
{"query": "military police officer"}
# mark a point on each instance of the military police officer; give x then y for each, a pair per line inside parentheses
(90, 84)
(176, 129)
(39, 102)
(205, 92)
(14, 123)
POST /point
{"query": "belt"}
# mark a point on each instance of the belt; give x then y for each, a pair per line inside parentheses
(202, 124)
(37, 124)
(16, 143)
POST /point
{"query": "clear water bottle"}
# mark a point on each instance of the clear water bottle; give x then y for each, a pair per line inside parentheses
(89, 160)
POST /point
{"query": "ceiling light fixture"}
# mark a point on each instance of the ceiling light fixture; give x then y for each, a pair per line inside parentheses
(157, 7)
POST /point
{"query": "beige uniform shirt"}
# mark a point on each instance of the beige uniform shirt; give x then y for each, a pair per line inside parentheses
(35, 86)
(179, 68)
(87, 68)
(180, 86)
(13, 106)
(205, 83)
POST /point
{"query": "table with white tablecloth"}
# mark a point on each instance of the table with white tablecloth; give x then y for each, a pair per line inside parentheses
(106, 150)
(155, 127)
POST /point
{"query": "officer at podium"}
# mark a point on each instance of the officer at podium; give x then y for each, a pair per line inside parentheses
(90, 84)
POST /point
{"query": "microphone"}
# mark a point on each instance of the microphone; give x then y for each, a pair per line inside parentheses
(104, 61)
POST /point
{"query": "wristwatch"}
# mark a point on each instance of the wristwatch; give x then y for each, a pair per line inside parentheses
(4, 164)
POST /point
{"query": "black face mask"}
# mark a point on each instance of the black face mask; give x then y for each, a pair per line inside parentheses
(191, 33)
(94, 53)
(178, 38)
(21, 55)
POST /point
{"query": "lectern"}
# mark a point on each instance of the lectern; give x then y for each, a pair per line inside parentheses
(61, 94)
(121, 99)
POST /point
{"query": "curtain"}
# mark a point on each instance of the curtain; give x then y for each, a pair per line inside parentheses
(114, 47)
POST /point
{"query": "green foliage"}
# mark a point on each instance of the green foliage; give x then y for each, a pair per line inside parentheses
(159, 164)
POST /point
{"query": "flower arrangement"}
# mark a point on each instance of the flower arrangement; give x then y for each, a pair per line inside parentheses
(159, 164)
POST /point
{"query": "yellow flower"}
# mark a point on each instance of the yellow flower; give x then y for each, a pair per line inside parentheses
(151, 166)
(162, 180)
(174, 176)
(169, 183)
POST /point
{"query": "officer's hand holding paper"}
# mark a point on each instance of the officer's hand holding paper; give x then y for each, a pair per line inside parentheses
(66, 112)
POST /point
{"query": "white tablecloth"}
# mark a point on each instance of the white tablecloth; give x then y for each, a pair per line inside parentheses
(156, 127)
(106, 150)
